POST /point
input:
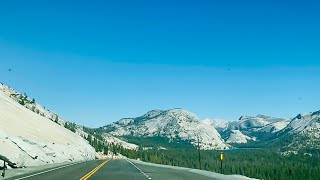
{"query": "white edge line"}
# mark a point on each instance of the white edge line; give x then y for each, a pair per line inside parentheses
(48, 171)
(145, 174)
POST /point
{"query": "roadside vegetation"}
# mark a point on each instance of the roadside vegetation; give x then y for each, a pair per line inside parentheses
(261, 164)
(266, 162)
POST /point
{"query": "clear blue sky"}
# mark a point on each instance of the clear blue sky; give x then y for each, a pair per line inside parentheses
(94, 62)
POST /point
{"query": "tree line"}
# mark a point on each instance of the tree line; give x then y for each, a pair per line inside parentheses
(262, 164)
(267, 163)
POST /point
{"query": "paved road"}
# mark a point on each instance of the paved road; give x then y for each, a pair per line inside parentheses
(111, 170)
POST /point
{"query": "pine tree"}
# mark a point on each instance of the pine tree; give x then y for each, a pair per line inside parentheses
(95, 144)
(56, 119)
(21, 101)
(106, 149)
(89, 139)
(66, 125)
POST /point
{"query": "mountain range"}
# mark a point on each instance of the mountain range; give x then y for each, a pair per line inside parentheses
(164, 128)
(39, 136)
(301, 133)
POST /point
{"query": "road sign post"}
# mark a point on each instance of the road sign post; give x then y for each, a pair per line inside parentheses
(221, 160)
(4, 169)
(199, 155)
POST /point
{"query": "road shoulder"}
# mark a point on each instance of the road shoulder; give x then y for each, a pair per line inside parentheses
(195, 171)
(34, 169)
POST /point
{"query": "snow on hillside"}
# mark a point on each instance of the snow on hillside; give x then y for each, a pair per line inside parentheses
(174, 123)
(237, 137)
(28, 138)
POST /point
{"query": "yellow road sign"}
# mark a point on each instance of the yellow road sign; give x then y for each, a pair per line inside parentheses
(221, 156)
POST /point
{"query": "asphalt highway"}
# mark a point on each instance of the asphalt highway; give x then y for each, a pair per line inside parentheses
(120, 169)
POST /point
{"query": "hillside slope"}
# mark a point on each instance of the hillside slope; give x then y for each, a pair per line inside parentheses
(302, 134)
(28, 138)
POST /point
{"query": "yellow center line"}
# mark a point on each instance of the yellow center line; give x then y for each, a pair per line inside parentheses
(93, 171)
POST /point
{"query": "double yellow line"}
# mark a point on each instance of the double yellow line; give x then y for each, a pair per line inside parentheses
(87, 176)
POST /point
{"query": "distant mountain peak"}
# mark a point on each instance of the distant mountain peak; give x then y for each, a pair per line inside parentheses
(263, 116)
(153, 113)
(299, 116)
(244, 117)
(173, 124)
(316, 113)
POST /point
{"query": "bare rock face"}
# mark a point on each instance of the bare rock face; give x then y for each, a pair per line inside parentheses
(173, 123)
(28, 138)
